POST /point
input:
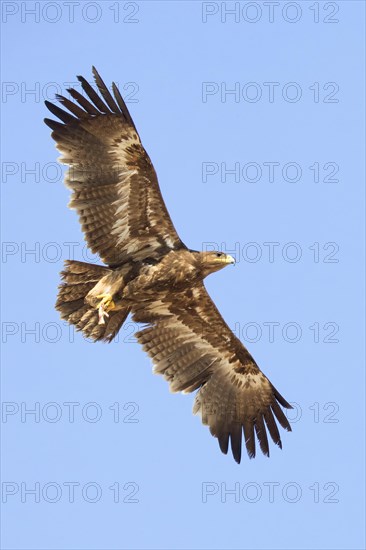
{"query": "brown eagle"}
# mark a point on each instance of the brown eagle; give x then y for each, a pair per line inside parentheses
(151, 274)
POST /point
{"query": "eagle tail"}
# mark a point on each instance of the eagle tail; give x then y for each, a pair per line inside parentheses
(79, 278)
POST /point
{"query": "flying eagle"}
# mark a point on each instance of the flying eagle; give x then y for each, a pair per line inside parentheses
(150, 274)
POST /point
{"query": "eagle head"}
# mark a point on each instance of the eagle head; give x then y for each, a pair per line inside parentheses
(214, 261)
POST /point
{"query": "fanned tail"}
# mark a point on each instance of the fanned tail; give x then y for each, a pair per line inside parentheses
(79, 278)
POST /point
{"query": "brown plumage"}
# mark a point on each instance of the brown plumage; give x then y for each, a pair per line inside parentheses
(152, 275)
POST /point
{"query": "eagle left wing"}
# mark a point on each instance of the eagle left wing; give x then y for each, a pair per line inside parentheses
(115, 188)
(193, 348)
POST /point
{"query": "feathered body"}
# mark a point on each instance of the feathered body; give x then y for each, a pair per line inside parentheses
(152, 275)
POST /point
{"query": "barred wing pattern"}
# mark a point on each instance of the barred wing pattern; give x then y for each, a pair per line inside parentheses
(193, 348)
(115, 187)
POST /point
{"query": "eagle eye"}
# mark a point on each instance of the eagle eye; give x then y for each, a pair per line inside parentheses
(219, 254)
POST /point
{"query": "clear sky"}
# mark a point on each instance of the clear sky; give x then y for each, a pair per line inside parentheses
(252, 113)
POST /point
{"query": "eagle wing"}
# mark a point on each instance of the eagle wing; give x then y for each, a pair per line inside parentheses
(115, 187)
(193, 348)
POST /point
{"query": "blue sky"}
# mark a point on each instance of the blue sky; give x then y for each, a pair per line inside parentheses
(254, 121)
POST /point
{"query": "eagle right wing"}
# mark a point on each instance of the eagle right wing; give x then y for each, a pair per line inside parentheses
(193, 348)
(115, 187)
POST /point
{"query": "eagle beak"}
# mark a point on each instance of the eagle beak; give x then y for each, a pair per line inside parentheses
(229, 259)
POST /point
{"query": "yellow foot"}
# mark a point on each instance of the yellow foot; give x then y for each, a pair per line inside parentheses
(106, 304)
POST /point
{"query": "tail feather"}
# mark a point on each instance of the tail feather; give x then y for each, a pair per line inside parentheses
(79, 278)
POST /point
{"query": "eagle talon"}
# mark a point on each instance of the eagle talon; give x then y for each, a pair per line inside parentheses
(106, 304)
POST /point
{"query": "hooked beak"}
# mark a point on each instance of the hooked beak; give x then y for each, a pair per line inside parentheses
(229, 259)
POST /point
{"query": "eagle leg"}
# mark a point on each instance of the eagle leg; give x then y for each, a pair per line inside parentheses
(106, 304)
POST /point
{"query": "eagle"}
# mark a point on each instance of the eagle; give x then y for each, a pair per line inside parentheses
(150, 274)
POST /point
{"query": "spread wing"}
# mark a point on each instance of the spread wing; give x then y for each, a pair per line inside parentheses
(192, 347)
(115, 187)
